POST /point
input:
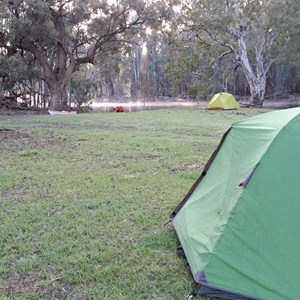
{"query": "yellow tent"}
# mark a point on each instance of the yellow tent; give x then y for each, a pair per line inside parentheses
(223, 101)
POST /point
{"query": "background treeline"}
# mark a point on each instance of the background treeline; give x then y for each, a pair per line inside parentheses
(57, 53)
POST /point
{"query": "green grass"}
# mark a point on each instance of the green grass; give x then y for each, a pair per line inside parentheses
(84, 199)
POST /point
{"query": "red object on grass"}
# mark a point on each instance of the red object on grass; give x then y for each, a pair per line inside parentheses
(119, 109)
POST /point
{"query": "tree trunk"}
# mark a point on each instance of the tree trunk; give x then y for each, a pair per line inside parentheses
(58, 97)
(256, 80)
(58, 78)
(257, 90)
(110, 87)
(64, 66)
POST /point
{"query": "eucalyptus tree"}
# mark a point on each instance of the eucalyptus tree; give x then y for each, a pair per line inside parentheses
(61, 35)
(155, 56)
(185, 69)
(286, 73)
(243, 30)
(18, 78)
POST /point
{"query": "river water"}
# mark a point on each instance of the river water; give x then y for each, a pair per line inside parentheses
(140, 106)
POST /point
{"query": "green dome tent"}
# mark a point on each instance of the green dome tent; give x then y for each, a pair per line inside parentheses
(239, 225)
(223, 101)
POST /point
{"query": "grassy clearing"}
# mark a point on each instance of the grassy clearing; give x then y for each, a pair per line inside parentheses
(83, 200)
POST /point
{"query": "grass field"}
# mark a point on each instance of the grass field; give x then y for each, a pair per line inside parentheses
(84, 199)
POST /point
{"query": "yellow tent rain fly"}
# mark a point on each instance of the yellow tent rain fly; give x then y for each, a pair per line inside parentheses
(223, 101)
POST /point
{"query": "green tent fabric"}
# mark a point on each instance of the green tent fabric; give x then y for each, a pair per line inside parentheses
(223, 101)
(243, 242)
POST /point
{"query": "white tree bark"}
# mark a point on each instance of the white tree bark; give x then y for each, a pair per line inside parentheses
(256, 72)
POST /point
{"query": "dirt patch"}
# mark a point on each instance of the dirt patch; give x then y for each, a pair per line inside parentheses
(29, 143)
(7, 134)
(12, 138)
(14, 195)
(28, 111)
(17, 284)
(187, 167)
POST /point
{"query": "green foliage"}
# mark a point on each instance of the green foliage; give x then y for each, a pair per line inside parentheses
(30, 153)
(60, 36)
(30, 22)
(14, 69)
(81, 87)
(42, 39)
(199, 91)
(215, 31)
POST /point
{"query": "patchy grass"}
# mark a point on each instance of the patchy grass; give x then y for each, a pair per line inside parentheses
(83, 200)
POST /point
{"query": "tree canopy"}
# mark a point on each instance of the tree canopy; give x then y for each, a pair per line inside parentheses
(61, 35)
(238, 33)
(150, 48)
